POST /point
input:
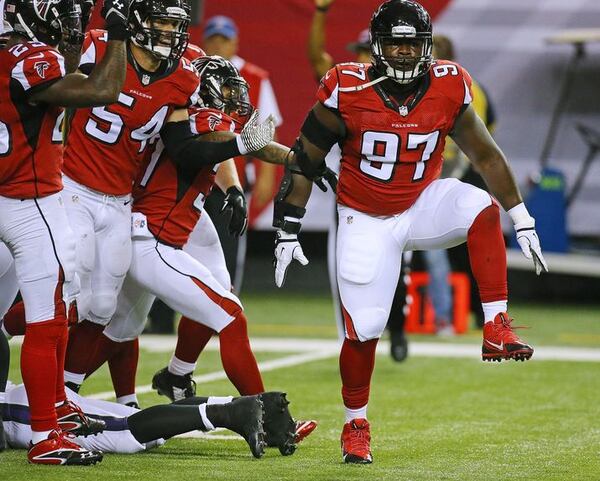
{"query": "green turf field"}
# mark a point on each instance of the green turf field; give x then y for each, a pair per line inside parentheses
(432, 418)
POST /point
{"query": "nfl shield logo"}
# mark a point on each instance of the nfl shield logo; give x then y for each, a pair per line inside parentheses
(146, 79)
(403, 110)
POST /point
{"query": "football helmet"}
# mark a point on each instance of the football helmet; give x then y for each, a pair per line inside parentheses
(148, 20)
(222, 87)
(401, 40)
(48, 21)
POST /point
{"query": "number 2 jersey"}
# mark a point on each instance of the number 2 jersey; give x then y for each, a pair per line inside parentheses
(392, 152)
(106, 145)
(172, 196)
(30, 141)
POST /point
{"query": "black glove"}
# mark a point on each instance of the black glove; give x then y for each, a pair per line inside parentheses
(116, 15)
(235, 205)
(87, 6)
(328, 176)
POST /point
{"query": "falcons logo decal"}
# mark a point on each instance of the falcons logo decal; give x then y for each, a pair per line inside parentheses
(42, 7)
(40, 68)
(214, 120)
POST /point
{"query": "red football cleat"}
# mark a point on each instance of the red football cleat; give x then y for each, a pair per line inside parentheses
(58, 449)
(501, 342)
(356, 442)
(71, 419)
(303, 429)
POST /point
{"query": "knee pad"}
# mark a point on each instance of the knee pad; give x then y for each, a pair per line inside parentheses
(472, 201)
(103, 307)
(369, 322)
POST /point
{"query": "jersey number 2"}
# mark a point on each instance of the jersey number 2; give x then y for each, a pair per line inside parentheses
(380, 152)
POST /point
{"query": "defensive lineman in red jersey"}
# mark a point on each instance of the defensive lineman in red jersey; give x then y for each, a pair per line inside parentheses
(391, 119)
(33, 222)
(106, 145)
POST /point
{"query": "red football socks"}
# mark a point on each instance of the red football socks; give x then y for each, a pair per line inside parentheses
(123, 367)
(238, 359)
(83, 338)
(487, 253)
(192, 338)
(14, 320)
(39, 370)
(357, 360)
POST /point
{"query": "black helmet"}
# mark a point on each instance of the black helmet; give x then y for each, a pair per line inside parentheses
(48, 21)
(143, 16)
(401, 21)
(222, 87)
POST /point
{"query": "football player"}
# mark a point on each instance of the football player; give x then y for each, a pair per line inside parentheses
(391, 119)
(168, 199)
(106, 145)
(130, 430)
(33, 221)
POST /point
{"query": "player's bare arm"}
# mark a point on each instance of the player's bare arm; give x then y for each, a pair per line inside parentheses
(474, 139)
(103, 85)
(320, 60)
(198, 150)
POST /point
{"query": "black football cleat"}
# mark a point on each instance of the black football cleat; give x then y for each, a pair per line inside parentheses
(173, 386)
(280, 427)
(246, 417)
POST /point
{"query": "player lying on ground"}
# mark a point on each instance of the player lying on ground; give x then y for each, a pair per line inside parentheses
(130, 430)
(391, 119)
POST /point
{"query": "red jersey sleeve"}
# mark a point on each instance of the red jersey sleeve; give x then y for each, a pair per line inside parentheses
(203, 121)
(94, 46)
(192, 52)
(327, 93)
(40, 68)
(454, 81)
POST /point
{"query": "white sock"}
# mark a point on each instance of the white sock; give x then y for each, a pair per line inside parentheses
(179, 367)
(490, 309)
(39, 436)
(74, 378)
(356, 413)
(209, 426)
(129, 398)
(2, 397)
(219, 399)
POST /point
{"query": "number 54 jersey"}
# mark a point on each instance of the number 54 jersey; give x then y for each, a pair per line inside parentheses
(106, 145)
(392, 151)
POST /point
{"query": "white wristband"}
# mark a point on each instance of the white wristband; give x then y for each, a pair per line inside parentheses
(240, 145)
(519, 214)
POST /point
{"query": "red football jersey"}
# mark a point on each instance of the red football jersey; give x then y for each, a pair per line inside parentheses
(30, 136)
(106, 145)
(192, 52)
(172, 196)
(392, 152)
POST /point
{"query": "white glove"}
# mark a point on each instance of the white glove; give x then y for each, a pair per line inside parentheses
(254, 136)
(287, 248)
(527, 237)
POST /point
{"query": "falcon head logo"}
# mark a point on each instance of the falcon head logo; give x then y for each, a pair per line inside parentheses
(214, 120)
(41, 67)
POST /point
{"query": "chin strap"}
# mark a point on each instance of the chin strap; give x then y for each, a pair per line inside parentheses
(358, 88)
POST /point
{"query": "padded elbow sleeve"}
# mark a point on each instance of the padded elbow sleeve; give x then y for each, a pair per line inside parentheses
(187, 149)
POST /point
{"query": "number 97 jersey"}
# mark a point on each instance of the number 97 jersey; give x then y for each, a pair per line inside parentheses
(392, 151)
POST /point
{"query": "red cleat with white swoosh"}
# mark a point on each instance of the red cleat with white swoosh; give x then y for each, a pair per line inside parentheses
(501, 342)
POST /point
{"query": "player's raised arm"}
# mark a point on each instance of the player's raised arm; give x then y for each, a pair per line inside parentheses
(103, 85)
(474, 139)
(322, 128)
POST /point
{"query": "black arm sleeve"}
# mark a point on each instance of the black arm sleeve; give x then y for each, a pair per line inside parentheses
(190, 150)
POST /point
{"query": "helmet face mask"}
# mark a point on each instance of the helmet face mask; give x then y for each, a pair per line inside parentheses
(160, 27)
(222, 87)
(401, 40)
(48, 21)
